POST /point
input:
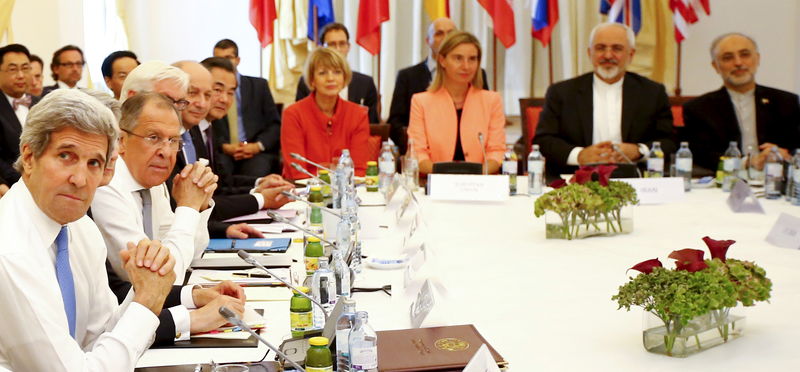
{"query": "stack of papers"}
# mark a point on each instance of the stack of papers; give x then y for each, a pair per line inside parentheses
(253, 320)
(209, 278)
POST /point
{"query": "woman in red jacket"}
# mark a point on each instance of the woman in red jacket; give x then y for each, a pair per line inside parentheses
(321, 125)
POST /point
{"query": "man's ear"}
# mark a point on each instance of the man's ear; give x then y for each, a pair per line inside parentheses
(26, 154)
(121, 142)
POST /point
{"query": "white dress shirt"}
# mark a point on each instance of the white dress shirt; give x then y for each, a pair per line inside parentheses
(117, 211)
(35, 333)
(606, 115)
(745, 106)
(21, 111)
(63, 85)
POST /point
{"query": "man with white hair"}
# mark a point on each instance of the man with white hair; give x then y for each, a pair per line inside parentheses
(605, 116)
(58, 312)
(752, 115)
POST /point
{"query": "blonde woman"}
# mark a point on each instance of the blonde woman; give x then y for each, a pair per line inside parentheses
(447, 120)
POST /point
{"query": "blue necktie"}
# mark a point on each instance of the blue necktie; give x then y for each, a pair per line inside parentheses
(188, 148)
(64, 276)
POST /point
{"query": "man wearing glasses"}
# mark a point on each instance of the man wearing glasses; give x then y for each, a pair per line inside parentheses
(67, 68)
(14, 70)
(361, 89)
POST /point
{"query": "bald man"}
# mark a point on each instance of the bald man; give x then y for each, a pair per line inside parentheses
(416, 79)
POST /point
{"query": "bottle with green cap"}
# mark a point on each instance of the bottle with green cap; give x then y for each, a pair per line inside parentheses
(372, 176)
(315, 210)
(301, 316)
(324, 175)
(318, 356)
(312, 254)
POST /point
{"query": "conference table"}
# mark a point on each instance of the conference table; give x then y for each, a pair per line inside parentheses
(545, 305)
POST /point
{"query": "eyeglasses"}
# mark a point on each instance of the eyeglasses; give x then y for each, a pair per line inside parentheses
(72, 64)
(174, 143)
(339, 44)
(14, 69)
(179, 104)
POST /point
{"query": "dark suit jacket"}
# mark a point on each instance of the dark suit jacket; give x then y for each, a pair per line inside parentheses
(49, 89)
(165, 333)
(566, 119)
(410, 80)
(361, 90)
(10, 130)
(259, 114)
(711, 123)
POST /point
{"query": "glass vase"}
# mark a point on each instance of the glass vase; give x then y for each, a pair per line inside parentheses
(673, 339)
(581, 224)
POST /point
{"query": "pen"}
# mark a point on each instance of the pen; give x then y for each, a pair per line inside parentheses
(252, 275)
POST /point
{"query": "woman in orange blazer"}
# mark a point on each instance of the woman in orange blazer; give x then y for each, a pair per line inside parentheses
(447, 120)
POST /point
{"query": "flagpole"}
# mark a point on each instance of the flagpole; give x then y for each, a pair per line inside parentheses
(678, 72)
(550, 60)
(316, 26)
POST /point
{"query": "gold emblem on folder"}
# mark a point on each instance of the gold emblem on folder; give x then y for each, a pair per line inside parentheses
(451, 344)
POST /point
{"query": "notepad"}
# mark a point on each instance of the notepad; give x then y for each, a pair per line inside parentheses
(262, 245)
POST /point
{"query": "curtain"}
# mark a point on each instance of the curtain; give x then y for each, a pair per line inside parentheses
(6, 7)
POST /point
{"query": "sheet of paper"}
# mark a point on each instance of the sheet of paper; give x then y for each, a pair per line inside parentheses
(657, 190)
(742, 199)
(786, 232)
(482, 361)
(262, 215)
(206, 277)
(273, 228)
(268, 294)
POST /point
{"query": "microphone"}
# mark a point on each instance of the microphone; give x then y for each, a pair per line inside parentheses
(628, 160)
(307, 173)
(280, 218)
(231, 317)
(297, 198)
(483, 149)
(301, 158)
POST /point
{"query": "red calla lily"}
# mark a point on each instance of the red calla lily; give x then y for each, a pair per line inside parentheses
(604, 171)
(647, 266)
(559, 183)
(688, 259)
(582, 175)
(718, 248)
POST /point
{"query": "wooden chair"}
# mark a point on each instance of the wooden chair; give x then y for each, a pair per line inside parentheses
(377, 134)
(529, 110)
(676, 103)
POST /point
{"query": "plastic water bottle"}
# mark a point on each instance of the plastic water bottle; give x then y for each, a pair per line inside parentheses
(731, 163)
(655, 161)
(411, 167)
(773, 171)
(535, 171)
(754, 175)
(683, 165)
(788, 187)
(344, 324)
(510, 169)
(796, 178)
(363, 345)
(355, 261)
(386, 167)
(346, 163)
(342, 274)
(323, 288)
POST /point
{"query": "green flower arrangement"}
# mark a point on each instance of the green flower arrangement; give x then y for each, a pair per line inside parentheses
(695, 287)
(590, 200)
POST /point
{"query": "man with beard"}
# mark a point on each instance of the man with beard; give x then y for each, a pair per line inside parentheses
(752, 115)
(607, 116)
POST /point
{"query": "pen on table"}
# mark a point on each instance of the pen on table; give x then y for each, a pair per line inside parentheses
(252, 275)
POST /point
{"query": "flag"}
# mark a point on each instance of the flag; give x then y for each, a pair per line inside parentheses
(437, 8)
(324, 16)
(371, 13)
(627, 12)
(503, 18)
(262, 17)
(544, 14)
(684, 14)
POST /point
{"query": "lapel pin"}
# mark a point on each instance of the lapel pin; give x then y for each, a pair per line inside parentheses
(765, 101)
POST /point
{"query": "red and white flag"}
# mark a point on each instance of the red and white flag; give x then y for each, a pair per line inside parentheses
(685, 13)
(503, 18)
(371, 13)
(262, 17)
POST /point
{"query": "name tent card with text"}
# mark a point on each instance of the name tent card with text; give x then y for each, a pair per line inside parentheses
(657, 190)
(742, 199)
(482, 361)
(786, 232)
(467, 187)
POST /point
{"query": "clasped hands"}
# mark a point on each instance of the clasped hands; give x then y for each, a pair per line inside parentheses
(194, 186)
(765, 148)
(241, 150)
(604, 152)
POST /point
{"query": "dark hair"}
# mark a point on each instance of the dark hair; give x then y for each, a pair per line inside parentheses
(113, 57)
(218, 62)
(13, 48)
(227, 44)
(35, 58)
(57, 57)
(332, 27)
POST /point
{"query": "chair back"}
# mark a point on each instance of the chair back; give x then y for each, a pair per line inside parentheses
(457, 167)
(529, 109)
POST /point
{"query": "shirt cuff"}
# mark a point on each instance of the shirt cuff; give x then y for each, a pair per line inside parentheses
(187, 300)
(259, 199)
(136, 327)
(572, 159)
(258, 180)
(260, 146)
(643, 150)
(183, 322)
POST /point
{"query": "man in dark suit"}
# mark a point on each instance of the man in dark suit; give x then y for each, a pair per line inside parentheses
(14, 68)
(415, 79)
(752, 115)
(607, 116)
(66, 67)
(361, 89)
(255, 148)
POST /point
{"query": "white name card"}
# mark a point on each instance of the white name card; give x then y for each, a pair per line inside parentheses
(786, 232)
(467, 187)
(742, 199)
(482, 361)
(657, 190)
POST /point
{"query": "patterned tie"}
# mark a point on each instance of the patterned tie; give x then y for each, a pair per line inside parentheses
(147, 212)
(188, 148)
(64, 276)
(24, 101)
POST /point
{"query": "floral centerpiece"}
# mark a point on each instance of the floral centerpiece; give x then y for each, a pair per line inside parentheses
(691, 303)
(589, 204)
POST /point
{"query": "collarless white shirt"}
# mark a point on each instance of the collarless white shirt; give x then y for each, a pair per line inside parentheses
(21, 111)
(63, 85)
(36, 335)
(744, 104)
(606, 114)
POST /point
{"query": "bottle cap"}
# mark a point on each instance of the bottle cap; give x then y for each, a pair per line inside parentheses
(372, 162)
(323, 171)
(318, 341)
(316, 188)
(303, 289)
(312, 239)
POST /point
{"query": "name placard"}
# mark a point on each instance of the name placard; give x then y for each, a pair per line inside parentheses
(657, 190)
(467, 187)
(423, 305)
(742, 199)
(786, 232)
